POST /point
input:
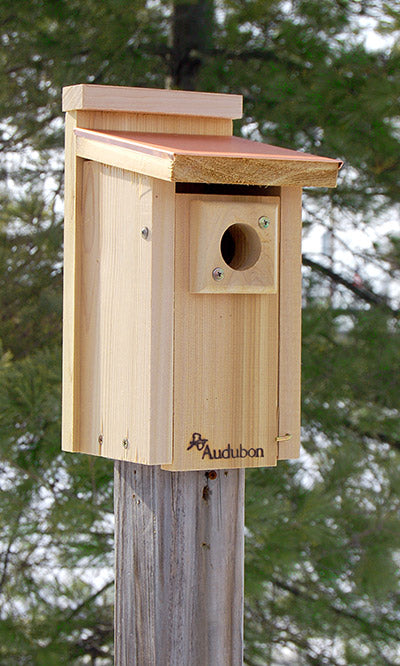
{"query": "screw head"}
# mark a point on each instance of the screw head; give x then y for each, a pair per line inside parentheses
(263, 222)
(218, 274)
(145, 233)
(100, 439)
(125, 443)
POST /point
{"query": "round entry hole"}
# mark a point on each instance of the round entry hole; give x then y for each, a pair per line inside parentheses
(240, 246)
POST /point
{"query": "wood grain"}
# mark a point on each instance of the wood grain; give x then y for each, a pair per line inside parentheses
(138, 162)
(125, 316)
(290, 322)
(162, 205)
(205, 159)
(225, 365)
(73, 172)
(179, 567)
(151, 100)
(253, 171)
(152, 122)
(209, 221)
(206, 336)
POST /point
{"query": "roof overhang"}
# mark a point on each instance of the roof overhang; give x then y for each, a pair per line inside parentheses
(206, 159)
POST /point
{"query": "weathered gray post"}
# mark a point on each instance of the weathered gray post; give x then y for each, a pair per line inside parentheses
(179, 567)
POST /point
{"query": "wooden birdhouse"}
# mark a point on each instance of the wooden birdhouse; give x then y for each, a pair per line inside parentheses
(182, 298)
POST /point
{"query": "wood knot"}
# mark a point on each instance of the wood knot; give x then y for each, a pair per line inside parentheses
(206, 493)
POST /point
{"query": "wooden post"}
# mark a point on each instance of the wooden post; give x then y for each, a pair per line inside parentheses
(179, 567)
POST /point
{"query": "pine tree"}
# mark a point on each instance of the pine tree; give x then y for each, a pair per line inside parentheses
(323, 532)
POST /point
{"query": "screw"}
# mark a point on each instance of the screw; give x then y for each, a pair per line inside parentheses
(145, 233)
(218, 274)
(125, 443)
(100, 439)
(263, 222)
(212, 475)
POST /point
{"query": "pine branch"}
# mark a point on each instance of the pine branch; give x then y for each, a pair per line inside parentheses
(89, 600)
(298, 592)
(381, 437)
(286, 636)
(245, 55)
(8, 551)
(86, 602)
(365, 294)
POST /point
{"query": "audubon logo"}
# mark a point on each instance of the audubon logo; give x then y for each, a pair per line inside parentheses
(201, 445)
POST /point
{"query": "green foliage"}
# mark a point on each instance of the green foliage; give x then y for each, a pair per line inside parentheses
(55, 520)
(325, 539)
(30, 273)
(323, 532)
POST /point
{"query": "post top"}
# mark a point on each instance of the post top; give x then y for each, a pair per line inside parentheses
(91, 97)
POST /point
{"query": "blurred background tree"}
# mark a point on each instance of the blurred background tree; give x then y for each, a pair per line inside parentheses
(323, 544)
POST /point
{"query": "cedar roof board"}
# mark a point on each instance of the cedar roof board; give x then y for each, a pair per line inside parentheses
(171, 147)
(93, 97)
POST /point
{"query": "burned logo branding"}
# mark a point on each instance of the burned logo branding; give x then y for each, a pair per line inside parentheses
(197, 441)
(200, 443)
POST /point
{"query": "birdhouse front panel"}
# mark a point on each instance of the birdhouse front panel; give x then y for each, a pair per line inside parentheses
(237, 354)
(226, 334)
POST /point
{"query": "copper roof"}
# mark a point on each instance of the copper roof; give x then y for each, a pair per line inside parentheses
(225, 159)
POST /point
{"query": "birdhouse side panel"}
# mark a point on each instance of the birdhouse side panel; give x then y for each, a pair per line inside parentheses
(125, 305)
(290, 324)
(73, 169)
